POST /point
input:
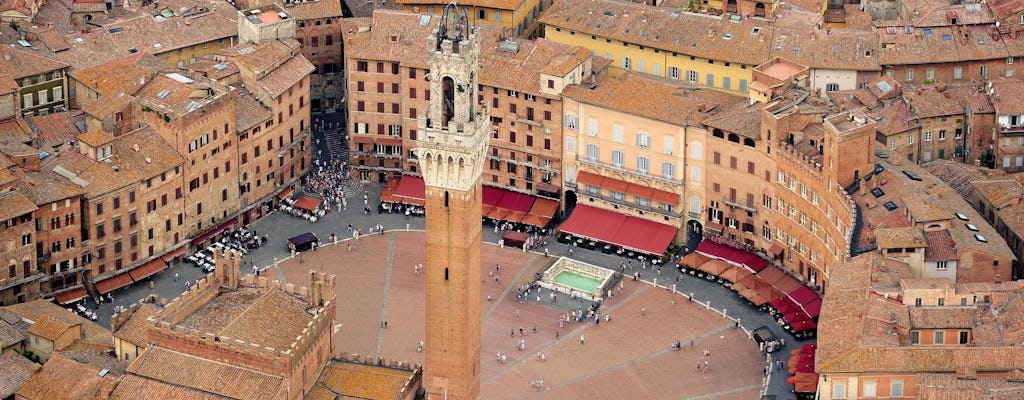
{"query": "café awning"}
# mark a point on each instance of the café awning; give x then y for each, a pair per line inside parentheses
(145, 270)
(610, 227)
(113, 283)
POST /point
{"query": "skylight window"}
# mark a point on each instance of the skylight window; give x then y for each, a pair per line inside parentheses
(756, 30)
(947, 37)
(163, 93)
(425, 20)
(980, 238)
(889, 205)
(877, 192)
(727, 36)
(116, 30)
(912, 176)
(962, 217)
(972, 228)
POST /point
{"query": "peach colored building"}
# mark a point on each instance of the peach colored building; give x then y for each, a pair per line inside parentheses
(621, 152)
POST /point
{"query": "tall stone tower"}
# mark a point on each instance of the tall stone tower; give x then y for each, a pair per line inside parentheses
(454, 134)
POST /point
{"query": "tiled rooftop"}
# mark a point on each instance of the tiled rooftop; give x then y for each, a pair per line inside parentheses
(245, 313)
(48, 328)
(165, 367)
(134, 328)
(145, 34)
(631, 93)
(364, 381)
(10, 335)
(411, 36)
(1009, 97)
(520, 71)
(952, 387)
(15, 371)
(38, 309)
(122, 76)
(929, 200)
(57, 129)
(941, 246)
(14, 204)
(65, 379)
(20, 63)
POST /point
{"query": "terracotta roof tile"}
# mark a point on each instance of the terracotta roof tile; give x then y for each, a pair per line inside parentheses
(163, 365)
(631, 92)
(13, 204)
(143, 33)
(133, 328)
(15, 130)
(904, 237)
(705, 36)
(959, 176)
(57, 129)
(498, 4)
(65, 379)
(20, 63)
(15, 371)
(931, 101)
(521, 71)
(215, 70)
(121, 76)
(132, 387)
(37, 309)
(7, 84)
(375, 43)
(364, 381)
(245, 313)
(952, 387)
(250, 112)
(941, 246)
(286, 76)
(49, 328)
(1009, 97)
(942, 317)
(925, 201)
(830, 49)
(10, 335)
(99, 359)
(318, 9)
(1005, 8)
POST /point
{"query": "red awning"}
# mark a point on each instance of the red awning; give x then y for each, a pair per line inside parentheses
(593, 223)
(787, 284)
(813, 308)
(307, 203)
(586, 178)
(220, 228)
(284, 193)
(515, 216)
(784, 305)
(797, 316)
(491, 195)
(534, 220)
(174, 253)
(498, 213)
(615, 185)
(664, 197)
(610, 227)
(524, 203)
(544, 207)
(776, 249)
(72, 296)
(145, 270)
(645, 235)
(771, 275)
(513, 238)
(733, 255)
(411, 187)
(803, 295)
(116, 282)
(801, 326)
(639, 191)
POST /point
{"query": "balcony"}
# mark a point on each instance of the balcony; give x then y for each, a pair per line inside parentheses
(627, 171)
(1012, 129)
(694, 214)
(739, 206)
(631, 205)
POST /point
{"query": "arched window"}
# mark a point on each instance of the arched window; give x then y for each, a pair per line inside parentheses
(734, 138)
(748, 142)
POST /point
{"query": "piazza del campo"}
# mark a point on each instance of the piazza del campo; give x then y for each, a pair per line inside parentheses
(511, 199)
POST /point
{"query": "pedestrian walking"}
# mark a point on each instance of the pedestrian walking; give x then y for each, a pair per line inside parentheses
(582, 340)
(175, 276)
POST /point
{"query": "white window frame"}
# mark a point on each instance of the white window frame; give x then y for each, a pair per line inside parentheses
(592, 127)
(673, 72)
(618, 158)
(643, 140)
(572, 122)
(692, 76)
(668, 170)
(617, 133)
(593, 152)
(643, 165)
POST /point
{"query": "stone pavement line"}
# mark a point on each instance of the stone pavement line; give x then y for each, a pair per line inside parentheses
(643, 358)
(722, 393)
(387, 290)
(508, 288)
(571, 333)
